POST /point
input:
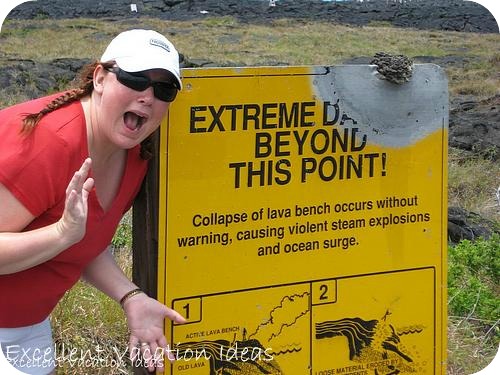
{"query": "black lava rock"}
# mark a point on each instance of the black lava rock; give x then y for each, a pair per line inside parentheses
(455, 15)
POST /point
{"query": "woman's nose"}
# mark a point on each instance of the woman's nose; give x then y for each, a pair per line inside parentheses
(147, 96)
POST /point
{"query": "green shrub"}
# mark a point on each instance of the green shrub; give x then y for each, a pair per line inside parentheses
(473, 279)
(123, 236)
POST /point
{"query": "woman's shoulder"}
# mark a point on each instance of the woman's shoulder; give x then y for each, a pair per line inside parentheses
(59, 131)
(37, 166)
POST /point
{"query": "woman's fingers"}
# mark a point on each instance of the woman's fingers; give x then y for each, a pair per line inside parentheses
(153, 357)
(87, 187)
(85, 168)
(71, 198)
(79, 179)
(73, 221)
(73, 184)
(133, 348)
(149, 355)
(175, 316)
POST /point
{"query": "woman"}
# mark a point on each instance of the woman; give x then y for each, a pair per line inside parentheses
(70, 167)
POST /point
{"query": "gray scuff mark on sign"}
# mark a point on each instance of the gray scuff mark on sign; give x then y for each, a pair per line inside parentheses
(391, 115)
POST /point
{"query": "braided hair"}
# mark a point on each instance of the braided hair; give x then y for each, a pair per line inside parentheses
(85, 86)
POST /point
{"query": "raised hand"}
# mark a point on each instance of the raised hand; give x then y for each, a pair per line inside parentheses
(74, 219)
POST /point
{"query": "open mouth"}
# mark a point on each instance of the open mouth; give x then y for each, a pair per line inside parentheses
(133, 121)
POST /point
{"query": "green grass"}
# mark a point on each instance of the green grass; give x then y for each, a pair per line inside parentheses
(471, 345)
(286, 41)
(92, 326)
(472, 183)
(474, 279)
(473, 304)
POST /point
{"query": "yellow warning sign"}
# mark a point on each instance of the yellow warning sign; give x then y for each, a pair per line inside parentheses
(303, 221)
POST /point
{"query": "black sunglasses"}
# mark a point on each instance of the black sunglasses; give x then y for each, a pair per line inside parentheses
(164, 91)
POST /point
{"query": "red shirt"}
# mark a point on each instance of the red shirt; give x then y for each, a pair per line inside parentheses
(37, 169)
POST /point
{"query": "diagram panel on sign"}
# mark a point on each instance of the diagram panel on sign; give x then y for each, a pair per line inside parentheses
(316, 327)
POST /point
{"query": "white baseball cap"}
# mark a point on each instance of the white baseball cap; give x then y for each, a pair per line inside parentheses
(138, 50)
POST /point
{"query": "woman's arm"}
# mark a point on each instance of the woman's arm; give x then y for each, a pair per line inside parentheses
(145, 315)
(104, 273)
(23, 250)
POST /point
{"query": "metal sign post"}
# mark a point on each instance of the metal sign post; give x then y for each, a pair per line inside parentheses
(302, 221)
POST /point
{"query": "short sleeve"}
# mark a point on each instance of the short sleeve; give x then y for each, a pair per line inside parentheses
(34, 167)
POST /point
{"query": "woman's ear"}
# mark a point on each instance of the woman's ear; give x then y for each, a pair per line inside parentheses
(99, 75)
